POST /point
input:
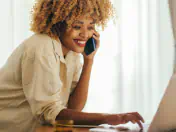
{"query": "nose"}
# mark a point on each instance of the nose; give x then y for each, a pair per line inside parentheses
(84, 34)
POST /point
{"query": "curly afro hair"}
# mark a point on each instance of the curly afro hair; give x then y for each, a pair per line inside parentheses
(46, 13)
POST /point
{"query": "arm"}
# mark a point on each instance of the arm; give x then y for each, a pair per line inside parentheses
(83, 118)
(78, 98)
(41, 83)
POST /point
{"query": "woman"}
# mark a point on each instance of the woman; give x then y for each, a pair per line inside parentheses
(43, 79)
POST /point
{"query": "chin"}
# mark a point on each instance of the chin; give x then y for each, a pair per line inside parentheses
(80, 50)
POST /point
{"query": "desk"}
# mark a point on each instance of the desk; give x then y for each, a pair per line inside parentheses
(132, 127)
(51, 129)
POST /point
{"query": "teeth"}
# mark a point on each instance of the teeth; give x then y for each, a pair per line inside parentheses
(81, 42)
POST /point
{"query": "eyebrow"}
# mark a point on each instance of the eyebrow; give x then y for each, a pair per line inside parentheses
(80, 22)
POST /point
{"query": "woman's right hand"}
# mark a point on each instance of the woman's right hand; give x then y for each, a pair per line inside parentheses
(115, 119)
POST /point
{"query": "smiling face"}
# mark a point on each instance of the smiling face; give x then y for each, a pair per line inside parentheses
(75, 37)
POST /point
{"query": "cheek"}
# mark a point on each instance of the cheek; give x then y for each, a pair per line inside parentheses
(73, 33)
(68, 36)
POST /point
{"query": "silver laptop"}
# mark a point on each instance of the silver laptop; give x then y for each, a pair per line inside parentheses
(165, 117)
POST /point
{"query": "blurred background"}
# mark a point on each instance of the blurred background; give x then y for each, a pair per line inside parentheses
(134, 63)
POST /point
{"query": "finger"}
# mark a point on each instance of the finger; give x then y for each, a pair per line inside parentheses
(97, 42)
(121, 128)
(96, 34)
(137, 115)
(140, 117)
(133, 121)
(132, 118)
(136, 119)
(140, 124)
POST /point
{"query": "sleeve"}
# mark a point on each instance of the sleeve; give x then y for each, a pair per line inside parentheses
(42, 85)
(77, 74)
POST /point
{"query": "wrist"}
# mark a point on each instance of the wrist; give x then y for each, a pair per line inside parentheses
(105, 118)
(113, 119)
(122, 118)
(88, 61)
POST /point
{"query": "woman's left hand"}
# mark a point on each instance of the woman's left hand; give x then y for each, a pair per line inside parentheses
(96, 36)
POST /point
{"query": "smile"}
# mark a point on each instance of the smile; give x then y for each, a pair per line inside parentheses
(80, 43)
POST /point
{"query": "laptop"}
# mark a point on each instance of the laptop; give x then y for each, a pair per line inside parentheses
(165, 117)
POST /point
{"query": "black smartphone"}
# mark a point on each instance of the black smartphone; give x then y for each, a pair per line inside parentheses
(90, 46)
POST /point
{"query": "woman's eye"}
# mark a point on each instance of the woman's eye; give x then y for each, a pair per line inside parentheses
(91, 28)
(76, 27)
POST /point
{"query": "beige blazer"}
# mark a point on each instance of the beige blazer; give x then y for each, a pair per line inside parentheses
(35, 83)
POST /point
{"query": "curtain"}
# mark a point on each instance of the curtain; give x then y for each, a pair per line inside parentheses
(172, 5)
(135, 60)
(14, 25)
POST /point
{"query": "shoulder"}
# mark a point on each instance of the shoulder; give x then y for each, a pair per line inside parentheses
(38, 41)
(38, 44)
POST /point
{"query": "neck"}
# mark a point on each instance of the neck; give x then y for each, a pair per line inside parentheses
(64, 50)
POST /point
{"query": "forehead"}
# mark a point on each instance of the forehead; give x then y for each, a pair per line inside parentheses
(84, 20)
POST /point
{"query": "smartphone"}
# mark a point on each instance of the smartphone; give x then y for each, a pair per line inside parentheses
(90, 46)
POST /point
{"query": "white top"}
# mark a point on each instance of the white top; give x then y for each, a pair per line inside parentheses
(35, 83)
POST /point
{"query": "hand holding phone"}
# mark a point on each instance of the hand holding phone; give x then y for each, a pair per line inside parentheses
(90, 46)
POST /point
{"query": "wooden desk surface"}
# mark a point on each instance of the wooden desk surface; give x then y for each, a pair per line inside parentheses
(51, 129)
